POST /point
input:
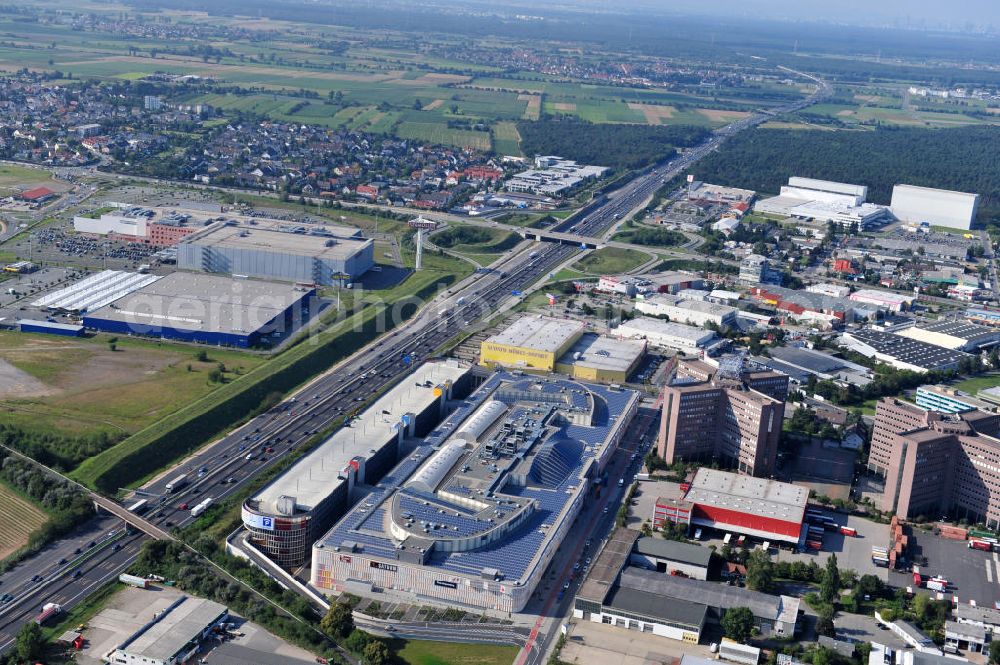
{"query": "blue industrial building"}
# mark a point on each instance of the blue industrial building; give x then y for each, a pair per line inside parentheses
(50, 328)
(207, 309)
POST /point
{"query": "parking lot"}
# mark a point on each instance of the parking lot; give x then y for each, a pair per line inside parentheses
(972, 574)
(589, 642)
(861, 628)
(644, 500)
(827, 470)
(854, 553)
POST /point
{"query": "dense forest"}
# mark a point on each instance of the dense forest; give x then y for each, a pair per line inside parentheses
(617, 146)
(964, 159)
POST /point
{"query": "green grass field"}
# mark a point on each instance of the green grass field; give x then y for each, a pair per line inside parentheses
(18, 519)
(506, 140)
(437, 133)
(93, 389)
(611, 260)
(421, 652)
(975, 384)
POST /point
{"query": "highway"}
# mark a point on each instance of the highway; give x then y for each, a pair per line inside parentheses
(222, 467)
(71, 582)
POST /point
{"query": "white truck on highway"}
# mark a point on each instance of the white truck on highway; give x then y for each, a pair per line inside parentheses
(201, 507)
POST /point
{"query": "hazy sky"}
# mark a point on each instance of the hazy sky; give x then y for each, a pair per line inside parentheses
(953, 12)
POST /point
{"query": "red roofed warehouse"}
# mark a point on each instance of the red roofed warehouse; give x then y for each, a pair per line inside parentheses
(37, 195)
(756, 507)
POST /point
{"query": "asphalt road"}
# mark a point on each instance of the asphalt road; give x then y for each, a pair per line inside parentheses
(221, 468)
(71, 583)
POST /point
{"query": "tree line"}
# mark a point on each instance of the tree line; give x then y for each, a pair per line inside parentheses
(67, 507)
(962, 158)
(613, 145)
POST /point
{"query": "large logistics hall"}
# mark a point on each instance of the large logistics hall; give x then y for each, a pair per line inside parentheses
(286, 516)
(209, 309)
(550, 344)
(321, 258)
(473, 516)
(766, 509)
(531, 342)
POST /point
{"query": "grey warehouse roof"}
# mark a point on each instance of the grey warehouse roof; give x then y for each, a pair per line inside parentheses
(813, 361)
(651, 605)
(985, 615)
(673, 550)
(757, 496)
(175, 628)
(961, 329)
(712, 594)
(267, 240)
(202, 302)
(542, 333)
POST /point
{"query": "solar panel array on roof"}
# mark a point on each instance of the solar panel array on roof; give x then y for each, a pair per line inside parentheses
(96, 291)
(554, 475)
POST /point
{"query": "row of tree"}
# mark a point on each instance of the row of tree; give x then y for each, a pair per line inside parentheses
(962, 158)
(619, 146)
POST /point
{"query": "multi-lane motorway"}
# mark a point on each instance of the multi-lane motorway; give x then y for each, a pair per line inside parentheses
(222, 467)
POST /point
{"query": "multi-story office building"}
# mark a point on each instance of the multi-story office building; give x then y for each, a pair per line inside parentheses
(733, 417)
(756, 269)
(938, 463)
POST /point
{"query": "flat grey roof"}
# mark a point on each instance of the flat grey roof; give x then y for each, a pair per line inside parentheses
(649, 604)
(965, 630)
(986, 615)
(674, 550)
(652, 326)
(756, 496)
(269, 240)
(609, 563)
(814, 361)
(202, 302)
(176, 628)
(604, 353)
(541, 333)
(711, 594)
(315, 476)
(912, 631)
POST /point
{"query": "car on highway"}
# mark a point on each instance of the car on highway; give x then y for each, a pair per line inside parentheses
(183, 506)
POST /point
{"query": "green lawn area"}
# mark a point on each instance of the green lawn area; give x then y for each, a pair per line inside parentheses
(420, 652)
(975, 384)
(94, 389)
(610, 260)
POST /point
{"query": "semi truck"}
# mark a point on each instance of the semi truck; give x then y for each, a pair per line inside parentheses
(49, 610)
(979, 544)
(177, 483)
(201, 507)
(133, 580)
(937, 584)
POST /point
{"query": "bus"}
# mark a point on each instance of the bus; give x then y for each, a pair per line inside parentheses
(139, 507)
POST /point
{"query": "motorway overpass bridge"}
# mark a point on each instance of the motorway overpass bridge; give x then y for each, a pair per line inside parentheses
(100, 502)
(131, 519)
(584, 242)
